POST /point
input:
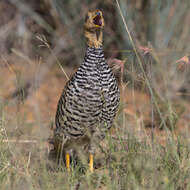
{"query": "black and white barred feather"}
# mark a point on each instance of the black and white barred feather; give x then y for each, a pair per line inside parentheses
(90, 98)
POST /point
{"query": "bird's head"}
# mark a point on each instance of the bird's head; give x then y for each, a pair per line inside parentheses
(93, 27)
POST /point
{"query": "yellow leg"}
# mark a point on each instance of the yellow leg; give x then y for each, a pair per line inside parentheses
(91, 163)
(67, 158)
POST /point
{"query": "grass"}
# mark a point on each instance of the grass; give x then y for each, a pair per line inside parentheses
(128, 164)
(129, 159)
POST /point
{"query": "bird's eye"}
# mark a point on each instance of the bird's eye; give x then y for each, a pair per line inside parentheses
(86, 18)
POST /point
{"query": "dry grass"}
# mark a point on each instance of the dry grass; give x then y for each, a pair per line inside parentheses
(149, 146)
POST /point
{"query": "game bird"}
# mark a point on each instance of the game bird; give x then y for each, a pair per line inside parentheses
(90, 99)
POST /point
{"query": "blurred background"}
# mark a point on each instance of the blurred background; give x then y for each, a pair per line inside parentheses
(42, 44)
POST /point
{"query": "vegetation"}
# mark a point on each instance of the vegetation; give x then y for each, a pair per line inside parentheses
(42, 44)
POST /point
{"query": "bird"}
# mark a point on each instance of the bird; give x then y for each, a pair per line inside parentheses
(90, 99)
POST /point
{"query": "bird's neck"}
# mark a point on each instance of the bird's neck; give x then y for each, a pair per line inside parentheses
(94, 39)
(97, 52)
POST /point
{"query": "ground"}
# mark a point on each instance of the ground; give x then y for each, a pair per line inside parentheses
(27, 124)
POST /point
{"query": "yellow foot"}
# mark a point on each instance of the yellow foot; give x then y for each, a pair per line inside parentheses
(67, 158)
(91, 163)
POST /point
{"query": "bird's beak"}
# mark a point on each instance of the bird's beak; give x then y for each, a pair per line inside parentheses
(97, 20)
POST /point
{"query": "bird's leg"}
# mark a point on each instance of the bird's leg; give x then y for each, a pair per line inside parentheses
(91, 162)
(67, 158)
(92, 148)
(96, 137)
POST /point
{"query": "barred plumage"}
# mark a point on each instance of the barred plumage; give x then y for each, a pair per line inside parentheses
(90, 99)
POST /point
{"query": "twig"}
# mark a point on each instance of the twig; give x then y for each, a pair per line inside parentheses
(33, 83)
(19, 141)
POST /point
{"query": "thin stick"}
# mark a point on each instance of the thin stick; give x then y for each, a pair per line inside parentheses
(19, 141)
